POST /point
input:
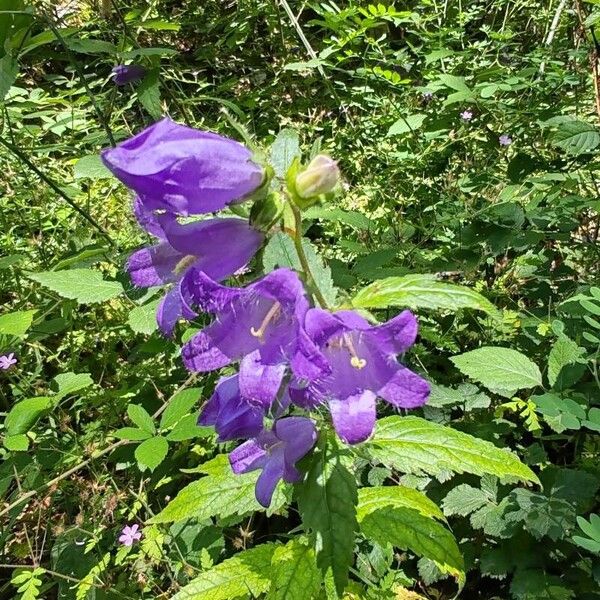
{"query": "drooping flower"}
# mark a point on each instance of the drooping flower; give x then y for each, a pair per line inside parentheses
(240, 402)
(219, 247)
(7, 361)
(265, 316)
(320, 177)
(362, 366)
(505, 140)
(276, 452)
(183, 170)
(466, 115)
(124, 74)
(130, 534)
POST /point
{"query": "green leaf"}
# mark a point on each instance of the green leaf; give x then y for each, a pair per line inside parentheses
(348, 217)
(409, 529)
(284, 150)
(91, 167)
(414, 445)
(373, 498)
(9, 69)
(142, 319)
(281, 252)
(406, 124)
(244, 573)
(131, 433)
(559, 413)
(294, 572)
(464, 499)
(152, 452)
(16, 443)
(452, 81)
(221, 493)
(179, 405)
(421, 291)
(576, 137)
(148, 93)
(25, 413)
(90, 46)
(69, 383)
(503, 371)
(530, 584)
(84, 285)
(12, 259)
(16, 323)
(187, 428)
(327, 500)
(148, 52)
(139, 415)
(564, 352)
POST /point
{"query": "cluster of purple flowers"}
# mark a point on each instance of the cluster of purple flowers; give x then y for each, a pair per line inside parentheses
(292, 356)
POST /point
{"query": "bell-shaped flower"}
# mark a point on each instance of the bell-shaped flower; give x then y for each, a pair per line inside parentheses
(218, 247)
(124, 74)
(276, 452)
(362, 367)
(240, 402)
(184, 170)
(265, 316)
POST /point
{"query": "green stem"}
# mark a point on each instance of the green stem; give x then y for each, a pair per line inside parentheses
(303, 259)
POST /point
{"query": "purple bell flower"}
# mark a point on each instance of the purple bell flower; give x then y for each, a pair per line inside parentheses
(276, 452)
(265, 316)
(240, 402)
(124, 74)
(183, 170)
(218, 247)
(362, 366)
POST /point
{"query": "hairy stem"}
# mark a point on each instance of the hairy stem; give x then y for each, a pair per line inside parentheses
(303, 259)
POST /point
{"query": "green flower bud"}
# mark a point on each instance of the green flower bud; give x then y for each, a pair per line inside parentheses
(320, 177)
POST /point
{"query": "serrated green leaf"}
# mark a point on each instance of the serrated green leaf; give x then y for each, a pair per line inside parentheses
(139, 415)
(84, 285)
(91, 167)
(294, 572)
(414, 445)
(348, 217)
(408, 123)
(373, 498)
(151, 452)
(421, 291)
(16, 323)
(576, 137)
(69, 383)
(142, 319)
(463, 500)
(244, 573)
(25, 413)
(284, 150)
(409, 529)
(148, 93)
(187, 428)
(131, 433)
(327, 499)
(221, 493)
(503, 371)
(179, 405)
(564, 352)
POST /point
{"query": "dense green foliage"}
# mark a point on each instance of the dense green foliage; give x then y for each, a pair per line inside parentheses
(492, 488)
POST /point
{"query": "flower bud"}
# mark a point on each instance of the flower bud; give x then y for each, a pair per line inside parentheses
(320, 177)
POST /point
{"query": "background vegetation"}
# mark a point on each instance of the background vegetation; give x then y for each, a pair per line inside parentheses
(380, 87)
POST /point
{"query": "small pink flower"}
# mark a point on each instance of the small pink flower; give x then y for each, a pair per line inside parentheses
(7, 361)
(130, 535)
(466, 115)
(505, 140)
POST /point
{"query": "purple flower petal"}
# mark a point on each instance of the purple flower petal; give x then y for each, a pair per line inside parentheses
(299, 435)
(354, 417)
(405, 389)
(169, 311)
(124, 74)
(259, 384)
(269, 478)
(398, 334)
(247, 457)
(183, 170)
(153, 266)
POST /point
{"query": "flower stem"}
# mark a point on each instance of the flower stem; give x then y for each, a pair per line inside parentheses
(303, 258)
